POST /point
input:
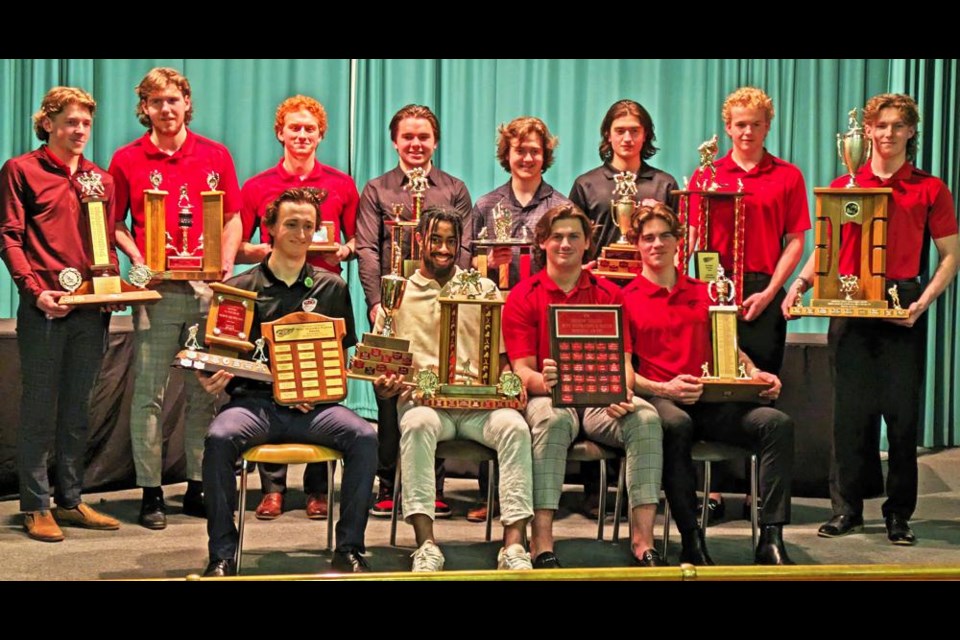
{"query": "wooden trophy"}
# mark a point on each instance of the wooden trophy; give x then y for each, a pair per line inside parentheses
(852, 295)
(227, 336)
(405, 229)
(708, 191)
(587, 343)
(502, 223)
(384, 353)
(105, 285)
(174, 258)
(621, 260)
(306, 352)
(492, 390)
(728, 381)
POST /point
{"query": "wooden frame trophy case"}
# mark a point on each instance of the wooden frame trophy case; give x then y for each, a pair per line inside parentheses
(105, 285)
(851, 295)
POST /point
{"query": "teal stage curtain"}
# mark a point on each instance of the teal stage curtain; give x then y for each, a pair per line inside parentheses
(234, 102)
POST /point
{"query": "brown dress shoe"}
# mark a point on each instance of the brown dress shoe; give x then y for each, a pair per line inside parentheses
(40, 525)
(83, 515)
(271, 506)
(316, 506)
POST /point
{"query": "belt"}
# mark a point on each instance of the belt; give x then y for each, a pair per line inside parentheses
(754, 276)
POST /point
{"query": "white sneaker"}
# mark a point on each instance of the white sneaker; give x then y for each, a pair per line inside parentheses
(514, 557)
(427, 558)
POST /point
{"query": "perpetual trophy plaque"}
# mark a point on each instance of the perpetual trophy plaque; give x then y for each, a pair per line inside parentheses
(709, 192)
(851, 295)
(171, 254)
(493, 389)
(105, 285)
(384, 353)
(306, 355)
(502, 225)
(727, 381)
(620, 260)
(587, 343)
(227, 336)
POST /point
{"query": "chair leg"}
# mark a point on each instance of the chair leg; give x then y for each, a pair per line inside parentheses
(666, 528)
(754, 502)
(331, 469)
(241, 508)
(396, 505)
(492, 480)
(705, 510)
(603, 499)
(618, 505)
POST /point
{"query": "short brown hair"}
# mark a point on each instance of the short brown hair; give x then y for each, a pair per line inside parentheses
(747, 98)
(296, 195)
(545, 227)
(908, 109)
(414, 111)
(645, 214)
(56, 100)
(157, 79)
(520, 128)
(622, 108)
(301, 103)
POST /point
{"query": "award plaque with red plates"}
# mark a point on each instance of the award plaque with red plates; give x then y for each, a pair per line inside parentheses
(587, 343)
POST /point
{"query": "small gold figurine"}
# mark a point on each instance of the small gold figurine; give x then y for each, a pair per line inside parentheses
(705, 370)
(894, 294)
(191, 342)
(742, 370)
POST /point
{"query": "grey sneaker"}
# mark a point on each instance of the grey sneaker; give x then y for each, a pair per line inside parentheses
(427, 558)
(514, 558)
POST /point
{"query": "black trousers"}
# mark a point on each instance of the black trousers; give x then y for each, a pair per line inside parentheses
(765, 430)
(273, 478)
(765, 337)
(879, 372)
(59, 363)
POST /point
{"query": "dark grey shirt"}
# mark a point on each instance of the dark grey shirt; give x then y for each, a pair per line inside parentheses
(374, 240)
(593, 192)
(523, 216)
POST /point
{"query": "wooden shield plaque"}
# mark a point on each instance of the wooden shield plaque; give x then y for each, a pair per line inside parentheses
(306, 357)
(587, 343)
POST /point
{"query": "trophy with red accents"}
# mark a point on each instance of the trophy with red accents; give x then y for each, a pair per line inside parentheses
(384, 353)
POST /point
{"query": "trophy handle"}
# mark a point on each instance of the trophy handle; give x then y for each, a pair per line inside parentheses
(840, 148)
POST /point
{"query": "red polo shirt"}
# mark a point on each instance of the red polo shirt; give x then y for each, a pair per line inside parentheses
(339, 207)
(920, 204)
(42, 226)
(776, 206)
(671, 329)
(526, 329)
(190, 165)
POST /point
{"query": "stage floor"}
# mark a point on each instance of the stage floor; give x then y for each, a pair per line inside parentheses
(292, 544)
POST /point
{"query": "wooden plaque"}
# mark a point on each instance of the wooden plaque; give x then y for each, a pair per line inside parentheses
(306, 357)
(324, 239)
(733, 390)
(230, 318)
(587, 343)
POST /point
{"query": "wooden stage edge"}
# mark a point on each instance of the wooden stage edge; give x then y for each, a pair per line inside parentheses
(682, 573)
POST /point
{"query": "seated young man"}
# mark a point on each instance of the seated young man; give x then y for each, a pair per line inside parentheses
(283, 281)
(418, 319)
(563, 236)
(671, 332)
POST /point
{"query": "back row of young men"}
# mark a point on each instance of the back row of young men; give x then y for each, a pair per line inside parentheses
(39, 202)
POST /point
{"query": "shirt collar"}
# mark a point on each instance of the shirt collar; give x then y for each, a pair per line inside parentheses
(290, 177)
(185, 149)
(306, 272)
(424, 282)
(586, 281)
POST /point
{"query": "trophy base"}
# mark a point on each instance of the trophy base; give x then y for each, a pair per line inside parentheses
(618, 263)
(128, 294)
(210, 275)
(323, 248)
(202, 361)
(485, 402)
(371, 370)
(615, 275)
(184, 263)
(372, 341)
(733, 390)
(842, 309)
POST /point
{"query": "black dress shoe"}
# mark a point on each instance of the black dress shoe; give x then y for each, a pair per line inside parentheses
(153, 510)
(840, 526)
(349, 562)
(770, 549)
(193, 505)
(547, 560)
(650, 558)
(219, 568)
(899, 531)
(694, 550)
